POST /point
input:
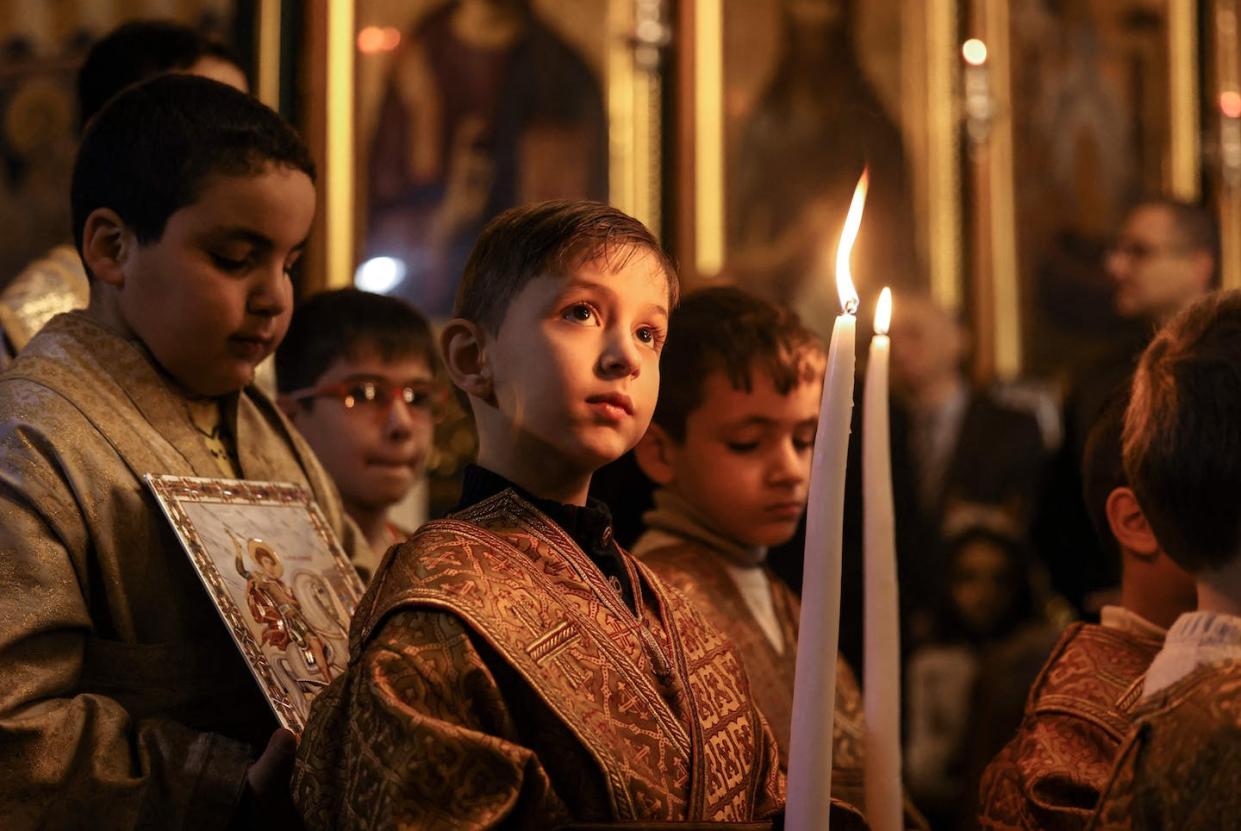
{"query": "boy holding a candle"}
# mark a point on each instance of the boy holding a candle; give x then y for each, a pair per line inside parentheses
(1181, 765)
(730, 448)
(511, 665)
(1051, 774)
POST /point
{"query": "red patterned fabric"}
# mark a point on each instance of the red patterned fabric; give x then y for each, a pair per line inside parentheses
(1079, 710)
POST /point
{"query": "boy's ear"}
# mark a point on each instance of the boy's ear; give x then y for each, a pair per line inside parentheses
(105, 245)
(465, 358)
(654, 454)
(1129, 525)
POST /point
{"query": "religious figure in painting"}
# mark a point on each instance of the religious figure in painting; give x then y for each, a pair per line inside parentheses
(486, 108)
(821, 110)
(1089, 88)
(275, 608)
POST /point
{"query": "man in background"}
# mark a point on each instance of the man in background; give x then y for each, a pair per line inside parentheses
(1165, 257)
(967, 448)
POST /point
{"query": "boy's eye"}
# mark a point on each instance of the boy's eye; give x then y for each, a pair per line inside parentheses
(803, 444)
(294, 266)
(419, 397)
(742, 446)
(229, 263)
(362, 393)
(650, 336)
(579, 313)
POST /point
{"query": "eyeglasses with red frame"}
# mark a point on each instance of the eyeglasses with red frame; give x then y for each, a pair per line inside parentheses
(376, 397)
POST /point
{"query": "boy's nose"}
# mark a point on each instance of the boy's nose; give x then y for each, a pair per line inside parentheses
(271, 293)
(399, 421)
(620, 357)
(787, 467)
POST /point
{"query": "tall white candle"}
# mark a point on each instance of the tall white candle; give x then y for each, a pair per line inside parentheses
(881, 686)
(814, 688)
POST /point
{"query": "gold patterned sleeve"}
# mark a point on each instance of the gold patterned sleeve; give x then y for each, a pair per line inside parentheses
(417, 735)
(67, 753)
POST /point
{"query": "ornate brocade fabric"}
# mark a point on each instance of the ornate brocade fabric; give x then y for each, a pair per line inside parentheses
(124, 703)
(1050, 775)
(697, 573)
(1180, 768)
(496, 679)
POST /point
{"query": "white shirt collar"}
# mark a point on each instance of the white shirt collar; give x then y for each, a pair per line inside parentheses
(1196, 639)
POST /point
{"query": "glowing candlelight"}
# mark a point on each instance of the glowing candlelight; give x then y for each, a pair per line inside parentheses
(814, 689)
(883, 312)
(974, 51)
(881, 634)
(848, 236)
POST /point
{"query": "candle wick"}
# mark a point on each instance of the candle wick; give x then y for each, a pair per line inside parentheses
(851, 306)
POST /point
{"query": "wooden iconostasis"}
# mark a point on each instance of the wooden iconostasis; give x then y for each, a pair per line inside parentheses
(736, 129)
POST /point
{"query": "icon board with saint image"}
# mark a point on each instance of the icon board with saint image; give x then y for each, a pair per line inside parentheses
(277, 575)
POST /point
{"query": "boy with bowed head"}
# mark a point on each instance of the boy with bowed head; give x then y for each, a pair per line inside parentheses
(125, 700)
(730, 449)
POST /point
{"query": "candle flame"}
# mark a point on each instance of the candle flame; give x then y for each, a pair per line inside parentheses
(883, 311)
(853, 223)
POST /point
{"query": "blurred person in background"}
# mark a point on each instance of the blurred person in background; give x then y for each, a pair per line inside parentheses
(987, 605)
(966, 448)
(1165, 256)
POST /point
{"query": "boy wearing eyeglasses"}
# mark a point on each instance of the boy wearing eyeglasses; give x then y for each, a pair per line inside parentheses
(355, 375)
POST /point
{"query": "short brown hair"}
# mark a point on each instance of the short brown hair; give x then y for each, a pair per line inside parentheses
(725, 329)
(1182, 439)
(548, 238)
(347, 323)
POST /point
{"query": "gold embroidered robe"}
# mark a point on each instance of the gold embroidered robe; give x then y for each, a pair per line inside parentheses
(697, 573)
(124, 701)
(1050, 775)
(1180, 768)
(497, 680)
(694, 570)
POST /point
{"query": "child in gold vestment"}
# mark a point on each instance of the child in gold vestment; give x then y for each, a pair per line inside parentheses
(730, 447)
(1181, 765)
(125, 702)
(356, 378)
(511, 666)
(1051, 773)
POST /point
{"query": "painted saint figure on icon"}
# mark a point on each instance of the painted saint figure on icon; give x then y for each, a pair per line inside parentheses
(276, 609)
